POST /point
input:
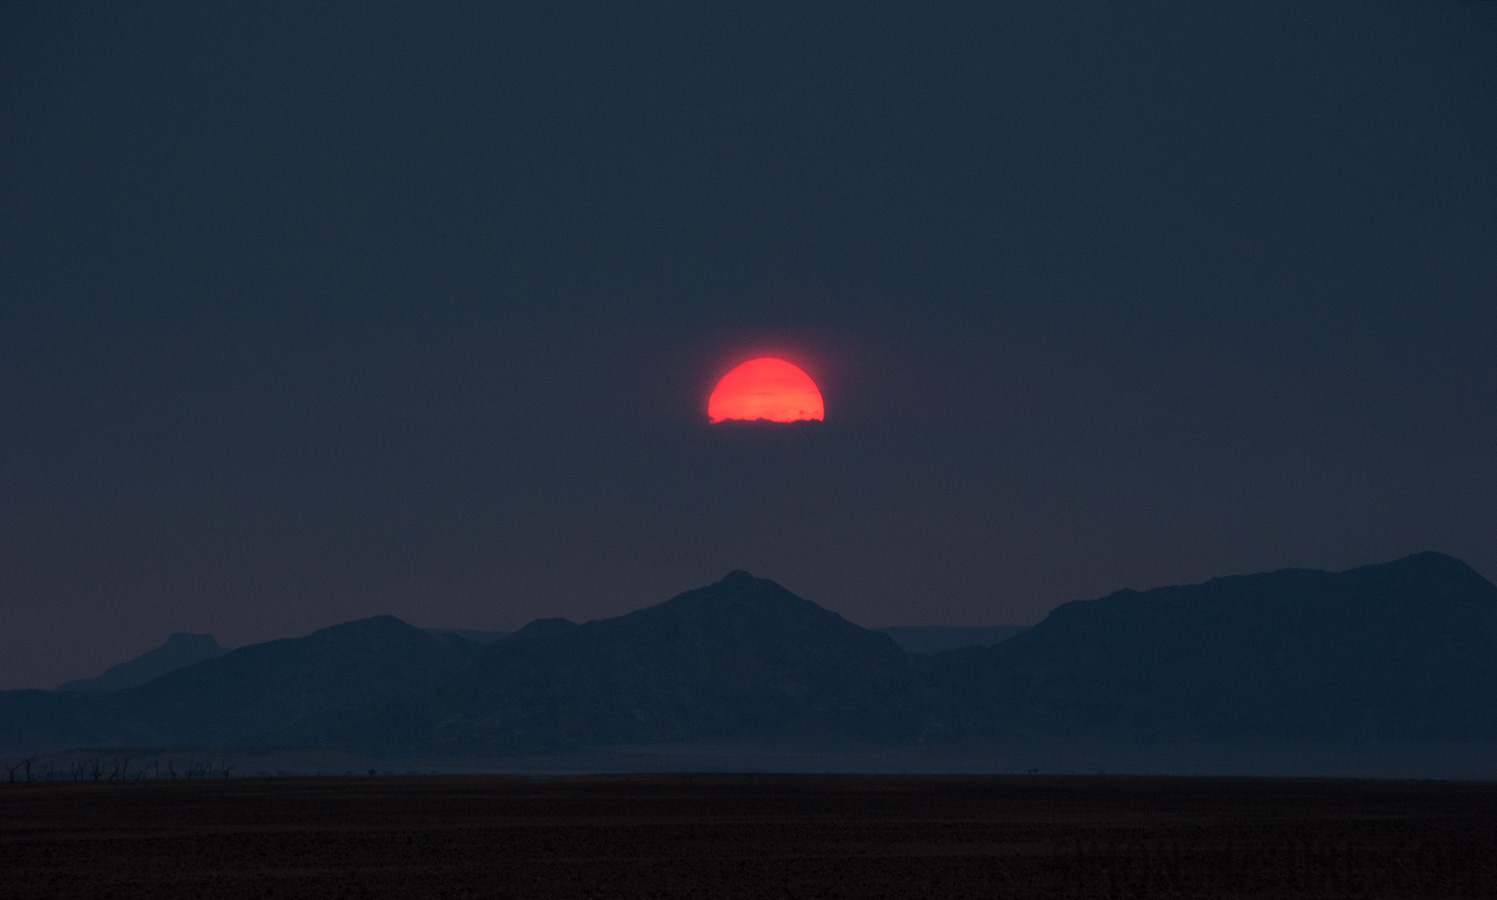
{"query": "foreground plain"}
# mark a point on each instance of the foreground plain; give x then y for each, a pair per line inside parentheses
(724, 836)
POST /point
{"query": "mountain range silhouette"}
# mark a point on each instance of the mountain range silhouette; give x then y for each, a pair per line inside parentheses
(1403, 652)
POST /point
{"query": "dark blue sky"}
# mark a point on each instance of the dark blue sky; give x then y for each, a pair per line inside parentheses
(314, 312)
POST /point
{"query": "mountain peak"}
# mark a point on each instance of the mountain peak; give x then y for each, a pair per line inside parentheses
(1430, 576)
(188, 639)
(373, 624)
(542, 628)
(750, 602)
(1431, 561)
(739, 657)
(180, 650)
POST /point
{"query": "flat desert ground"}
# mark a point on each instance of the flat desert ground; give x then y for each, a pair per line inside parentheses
(727, 836)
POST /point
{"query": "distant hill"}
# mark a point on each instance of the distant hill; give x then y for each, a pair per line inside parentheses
(940, 638)
(180, 650)
(1401, 651)
(341, 686)
(1395, 656)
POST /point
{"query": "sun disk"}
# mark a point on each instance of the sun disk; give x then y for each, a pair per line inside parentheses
(766, 389)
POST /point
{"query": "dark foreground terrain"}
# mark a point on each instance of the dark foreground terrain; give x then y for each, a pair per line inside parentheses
(749, 836)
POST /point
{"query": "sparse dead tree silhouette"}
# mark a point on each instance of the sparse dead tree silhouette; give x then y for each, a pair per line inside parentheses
(96, 768)
(10, 771)
(171, 768)
(27, 761)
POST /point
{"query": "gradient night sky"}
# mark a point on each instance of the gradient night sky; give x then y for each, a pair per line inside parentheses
(315, 313)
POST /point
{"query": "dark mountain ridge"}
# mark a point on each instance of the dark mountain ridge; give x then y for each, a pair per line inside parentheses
(1405, 651)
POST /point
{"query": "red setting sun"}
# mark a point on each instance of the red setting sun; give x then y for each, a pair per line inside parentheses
(765, 388)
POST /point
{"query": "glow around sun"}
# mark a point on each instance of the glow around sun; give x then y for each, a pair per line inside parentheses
(766, 389)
